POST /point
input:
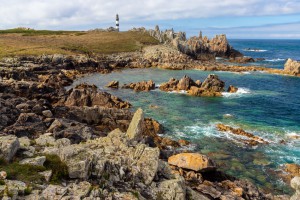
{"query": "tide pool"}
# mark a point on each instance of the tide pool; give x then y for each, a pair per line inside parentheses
(265, 105)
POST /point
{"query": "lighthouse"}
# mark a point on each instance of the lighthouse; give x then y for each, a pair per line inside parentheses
(117, 22)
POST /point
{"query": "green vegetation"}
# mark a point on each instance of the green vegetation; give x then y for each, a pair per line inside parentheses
(30, 173)
(21, 42)
(59, 169)
(32, 32)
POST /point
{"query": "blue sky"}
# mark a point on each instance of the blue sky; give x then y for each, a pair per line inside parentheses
(236, 18)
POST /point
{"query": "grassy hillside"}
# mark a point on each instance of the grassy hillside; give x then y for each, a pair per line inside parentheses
(16, 42)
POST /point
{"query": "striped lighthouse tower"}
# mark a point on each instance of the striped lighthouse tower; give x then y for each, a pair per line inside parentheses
(117, 23)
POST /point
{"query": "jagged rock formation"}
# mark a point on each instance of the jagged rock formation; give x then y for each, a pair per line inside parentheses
(200, 48)
(211, 86)
(292, 66)
(140, 86)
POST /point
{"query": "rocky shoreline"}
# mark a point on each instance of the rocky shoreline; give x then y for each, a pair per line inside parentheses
(86, 144)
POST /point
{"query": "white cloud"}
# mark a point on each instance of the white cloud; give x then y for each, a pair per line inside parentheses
(276, 31)
(68, 14)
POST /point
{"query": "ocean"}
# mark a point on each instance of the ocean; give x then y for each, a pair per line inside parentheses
(266, 105)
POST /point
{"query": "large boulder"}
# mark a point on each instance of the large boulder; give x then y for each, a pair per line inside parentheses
(292, 66)
(9, 146)
(136, 126)
(213, 84)
(185, 83)
(192, 161)
(88, 95)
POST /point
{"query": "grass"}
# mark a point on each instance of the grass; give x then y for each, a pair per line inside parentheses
(19, 42)
(30, 173)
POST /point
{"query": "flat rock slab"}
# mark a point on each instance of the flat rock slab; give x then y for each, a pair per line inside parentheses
(192, 161)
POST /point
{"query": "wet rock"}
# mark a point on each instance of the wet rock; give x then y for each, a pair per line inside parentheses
(9, 146)
(213, 84)
(113, 84)
(292, 66)
(293, 169)
(192, 161)
(244, 59)
(140, 86)
(232, 89)
(171, 85)
(37, 161)
(252, 139)
(185, 83)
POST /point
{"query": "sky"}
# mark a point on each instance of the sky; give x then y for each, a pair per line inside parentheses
(247, 19)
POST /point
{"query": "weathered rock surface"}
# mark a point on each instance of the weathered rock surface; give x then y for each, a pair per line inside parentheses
(212, 86)
(113, 84)
(198, 47)
(9, 146)
(292, 66)
(85, 95)
(192, 161)
(136, 126)
(37, 161)
(251, 139)
(140, 86)
(293, 169)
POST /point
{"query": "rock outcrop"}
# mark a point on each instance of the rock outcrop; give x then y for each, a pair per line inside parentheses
(85, 95)
(252, 140)
(140, 86)
(197, 47)
(292, 67)
(212, 86)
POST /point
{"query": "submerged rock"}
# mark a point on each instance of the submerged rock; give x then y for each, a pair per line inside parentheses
(113, 84)
(252, 140)
(232, 89)
(193, 161)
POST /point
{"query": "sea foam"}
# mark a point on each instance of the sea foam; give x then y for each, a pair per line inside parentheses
(241, 92)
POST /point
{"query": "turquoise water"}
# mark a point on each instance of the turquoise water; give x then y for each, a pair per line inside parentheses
(266, 105)
(275, 52)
